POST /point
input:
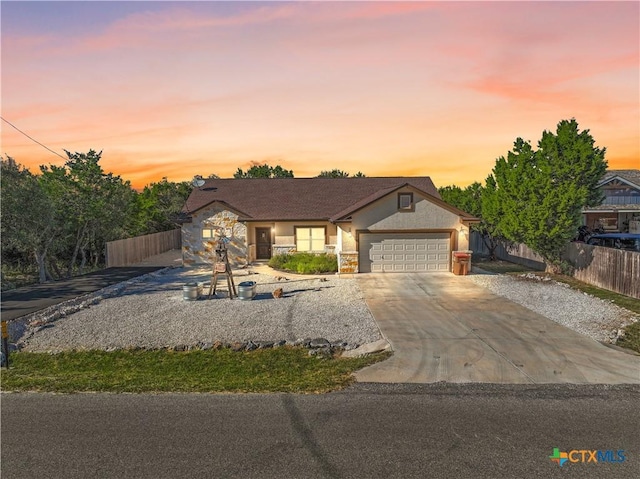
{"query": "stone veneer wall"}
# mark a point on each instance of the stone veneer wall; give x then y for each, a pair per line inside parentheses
(196, 250)
(348, 262)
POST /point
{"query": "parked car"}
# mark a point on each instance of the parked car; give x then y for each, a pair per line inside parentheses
(626, 241)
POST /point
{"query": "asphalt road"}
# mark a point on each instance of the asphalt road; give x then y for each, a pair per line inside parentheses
(21, 301)
(367, 431)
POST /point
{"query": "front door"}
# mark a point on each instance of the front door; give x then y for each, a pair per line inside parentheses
(263, 243)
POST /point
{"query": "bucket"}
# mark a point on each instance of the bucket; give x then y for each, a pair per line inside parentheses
(190, 292)
(247, 290)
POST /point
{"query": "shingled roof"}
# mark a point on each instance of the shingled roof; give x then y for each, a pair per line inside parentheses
(282, 199)
(631, 176)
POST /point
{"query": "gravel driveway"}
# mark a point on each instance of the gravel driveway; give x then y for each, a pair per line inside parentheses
(150, 313)
(596, 318)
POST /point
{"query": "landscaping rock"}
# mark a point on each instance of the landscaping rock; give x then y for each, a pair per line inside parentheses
(321, 353)
(319, 343)
(369, 348)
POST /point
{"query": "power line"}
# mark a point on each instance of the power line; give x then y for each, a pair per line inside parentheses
(33, 139)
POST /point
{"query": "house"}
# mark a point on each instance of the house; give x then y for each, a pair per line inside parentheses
(395, 224)
(620, 210)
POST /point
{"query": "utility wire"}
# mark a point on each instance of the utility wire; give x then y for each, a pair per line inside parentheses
(33, 139)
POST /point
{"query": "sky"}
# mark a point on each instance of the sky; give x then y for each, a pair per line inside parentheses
(439, 89)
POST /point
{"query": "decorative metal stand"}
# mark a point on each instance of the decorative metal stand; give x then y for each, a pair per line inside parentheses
(222, 266)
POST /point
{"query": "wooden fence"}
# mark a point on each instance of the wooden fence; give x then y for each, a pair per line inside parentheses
(130, 251)
(607, 268)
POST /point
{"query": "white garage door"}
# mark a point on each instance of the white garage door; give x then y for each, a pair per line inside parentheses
(404, 252)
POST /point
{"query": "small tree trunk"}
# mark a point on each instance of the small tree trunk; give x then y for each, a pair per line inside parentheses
(491, 245)
(76, 249)
(54, 266)
(83, 262)
(41, 261)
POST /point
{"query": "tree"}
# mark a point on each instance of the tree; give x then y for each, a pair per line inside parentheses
(65, 215)
(542, 192)
(158, 206)
(29, 225)
(490, 217)
(468, 200)
(336, 173)
(477, 200)
(264, 171)
(93, 205)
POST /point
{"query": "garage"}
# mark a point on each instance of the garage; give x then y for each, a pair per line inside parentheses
(404, 252)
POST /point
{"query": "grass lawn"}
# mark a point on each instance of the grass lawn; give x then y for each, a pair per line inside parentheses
(211, 371)
(631, 339)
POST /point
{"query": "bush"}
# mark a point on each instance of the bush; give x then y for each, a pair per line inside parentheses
(305, 263)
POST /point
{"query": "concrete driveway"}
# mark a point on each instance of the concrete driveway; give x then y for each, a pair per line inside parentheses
(446, 328)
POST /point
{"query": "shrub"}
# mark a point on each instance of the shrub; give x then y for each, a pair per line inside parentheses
(305, 263)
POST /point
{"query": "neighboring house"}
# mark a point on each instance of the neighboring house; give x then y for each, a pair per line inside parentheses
(620, 210)
(372, 224)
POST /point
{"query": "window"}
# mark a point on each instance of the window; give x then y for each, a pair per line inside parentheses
(208, 233)
(215, 232)
(405, 201)
(310, 239)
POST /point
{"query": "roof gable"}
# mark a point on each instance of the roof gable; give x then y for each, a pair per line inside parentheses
(282, 199)
(627, 177)
(344, 214)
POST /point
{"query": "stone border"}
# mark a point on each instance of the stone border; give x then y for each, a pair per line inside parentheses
(317, 347)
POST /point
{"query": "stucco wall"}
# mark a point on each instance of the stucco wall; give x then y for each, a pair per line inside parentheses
(347, 235)
(196, 250)
(384, 215)
(462, 238)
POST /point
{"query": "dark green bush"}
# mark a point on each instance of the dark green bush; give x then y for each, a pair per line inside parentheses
(305, 263)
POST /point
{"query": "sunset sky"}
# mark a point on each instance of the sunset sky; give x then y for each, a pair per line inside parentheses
(175, 89)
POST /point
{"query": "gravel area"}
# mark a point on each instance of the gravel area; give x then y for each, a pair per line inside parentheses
(599, 319)
(150, 312)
